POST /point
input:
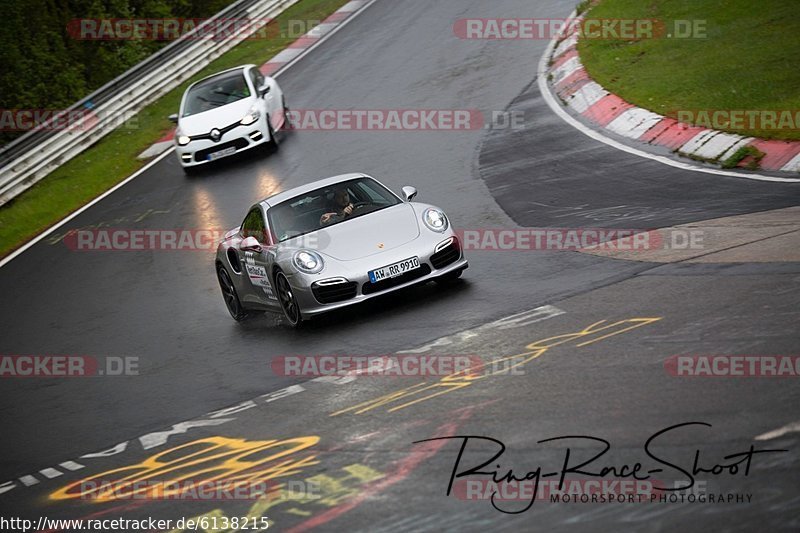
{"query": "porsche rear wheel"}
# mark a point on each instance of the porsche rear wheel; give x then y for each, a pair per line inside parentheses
(238, 313)
(291, 309)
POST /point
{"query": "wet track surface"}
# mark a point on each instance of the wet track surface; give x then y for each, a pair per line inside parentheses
(549, 175)
(164, 307)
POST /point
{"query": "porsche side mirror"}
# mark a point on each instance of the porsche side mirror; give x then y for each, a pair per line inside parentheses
(173, 118)
(409, 193)
(250, 244)
(264, 89)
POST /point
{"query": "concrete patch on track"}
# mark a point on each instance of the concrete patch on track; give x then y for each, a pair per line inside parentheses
(764, 237)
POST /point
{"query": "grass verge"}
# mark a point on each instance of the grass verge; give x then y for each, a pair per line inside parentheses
(749, 60)
(751, 153)
(113, 158)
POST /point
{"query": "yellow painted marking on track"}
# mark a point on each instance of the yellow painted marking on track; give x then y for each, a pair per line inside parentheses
(640, 322)
(176, 471)
(465, 378)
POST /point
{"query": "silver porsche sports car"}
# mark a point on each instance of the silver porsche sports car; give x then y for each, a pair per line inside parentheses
(333, 243)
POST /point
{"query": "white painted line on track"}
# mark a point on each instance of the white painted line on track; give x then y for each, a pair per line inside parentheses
(794, 427)
(29, 480)
(71, 465)
(541, 79)
(525, 318)
(50, 473)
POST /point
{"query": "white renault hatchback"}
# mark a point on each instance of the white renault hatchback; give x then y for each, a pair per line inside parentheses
(227, 113)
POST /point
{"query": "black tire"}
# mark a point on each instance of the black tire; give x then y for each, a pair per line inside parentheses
(190, 171)
(288, 301)
(235, 308)
(450, 278)
(274, 143)
(286, 110)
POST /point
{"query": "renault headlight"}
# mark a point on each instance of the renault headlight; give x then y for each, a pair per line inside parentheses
(183, 140)
(252, 115)
(434, 219)
(308, 261)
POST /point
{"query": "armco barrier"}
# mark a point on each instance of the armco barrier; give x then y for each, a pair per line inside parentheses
(34, 155)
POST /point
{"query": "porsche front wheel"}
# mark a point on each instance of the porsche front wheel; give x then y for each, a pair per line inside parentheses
(288, 300)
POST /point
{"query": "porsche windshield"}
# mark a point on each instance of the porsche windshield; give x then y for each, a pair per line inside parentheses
(216, 92)
(328, 206)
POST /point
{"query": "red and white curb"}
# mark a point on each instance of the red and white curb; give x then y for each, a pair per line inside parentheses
(569, 80)
(164, 143)
(289, 55)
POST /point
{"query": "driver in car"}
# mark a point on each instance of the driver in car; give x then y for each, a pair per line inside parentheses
(342, 209)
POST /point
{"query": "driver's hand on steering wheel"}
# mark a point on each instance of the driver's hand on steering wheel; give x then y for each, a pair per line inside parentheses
(328, 218)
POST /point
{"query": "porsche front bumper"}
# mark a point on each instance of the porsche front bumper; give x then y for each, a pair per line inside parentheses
(349, 284)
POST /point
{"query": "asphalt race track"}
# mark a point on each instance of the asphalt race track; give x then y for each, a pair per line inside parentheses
(165, 308)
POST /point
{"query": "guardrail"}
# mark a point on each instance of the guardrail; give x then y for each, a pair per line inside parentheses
(34, 155)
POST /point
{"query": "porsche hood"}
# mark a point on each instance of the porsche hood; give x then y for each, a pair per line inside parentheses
(388, 228)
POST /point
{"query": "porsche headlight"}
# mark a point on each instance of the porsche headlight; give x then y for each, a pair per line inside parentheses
(183, 140)
(434, 219)
(252, 115)
(308, 261)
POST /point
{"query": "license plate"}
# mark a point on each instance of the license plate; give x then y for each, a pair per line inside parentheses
(393, 270)
(221, 153)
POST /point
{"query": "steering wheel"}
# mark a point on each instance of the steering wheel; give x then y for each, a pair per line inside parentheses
(356, 205)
